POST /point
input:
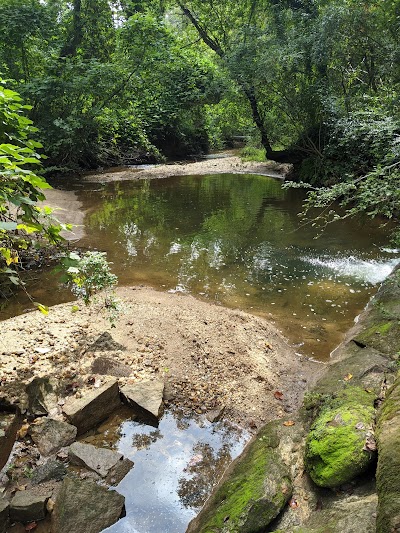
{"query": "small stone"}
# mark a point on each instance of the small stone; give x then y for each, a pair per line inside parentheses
(215, 415)
(105, 366)
(42, 395)
(52, 469)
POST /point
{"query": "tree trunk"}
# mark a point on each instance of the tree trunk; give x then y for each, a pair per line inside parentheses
(258, 121)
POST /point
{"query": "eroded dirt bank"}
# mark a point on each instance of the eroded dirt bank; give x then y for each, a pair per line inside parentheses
(210, 357)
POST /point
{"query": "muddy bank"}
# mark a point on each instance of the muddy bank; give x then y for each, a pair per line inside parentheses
(224, 165)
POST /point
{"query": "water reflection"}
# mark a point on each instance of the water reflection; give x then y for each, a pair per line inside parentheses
(236, 240)
(175, 469)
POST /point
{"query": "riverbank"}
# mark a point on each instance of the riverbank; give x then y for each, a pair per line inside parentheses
(209, 357)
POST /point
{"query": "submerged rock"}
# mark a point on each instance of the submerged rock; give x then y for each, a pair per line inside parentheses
(387, 475)
(252, 492)
(335, 446)
(28, 506)
(84, 506)
(96, 406)
(51, 435)
(111, 465)
(146, 398)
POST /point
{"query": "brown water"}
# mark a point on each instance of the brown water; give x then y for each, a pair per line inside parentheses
(235, 240)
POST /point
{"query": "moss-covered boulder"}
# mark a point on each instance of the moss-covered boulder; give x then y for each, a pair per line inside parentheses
(388, 470)
(253, 491)
(381, 325)
(335, 446)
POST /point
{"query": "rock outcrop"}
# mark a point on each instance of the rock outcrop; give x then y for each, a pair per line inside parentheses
(252, 492)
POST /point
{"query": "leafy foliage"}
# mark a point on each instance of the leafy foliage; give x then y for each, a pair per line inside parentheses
(89, 274)
(23, 223)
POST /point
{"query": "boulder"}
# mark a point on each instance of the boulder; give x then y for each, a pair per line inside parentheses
(28, 506)
(108, 367)
(4, 515)
(83, 506)
(252, 492)
(87, 412)
(381, 325)
(111, 465)
(9, 423)
(387, 474)
(51, 435)
(51, 470)
(336, 450)
(146, 398)
(42, 395)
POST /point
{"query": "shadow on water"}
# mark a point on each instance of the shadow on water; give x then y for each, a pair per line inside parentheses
(235, 240)
(176, 467)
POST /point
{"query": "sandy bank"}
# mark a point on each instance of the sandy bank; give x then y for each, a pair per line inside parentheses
(209, 356)
(224, 165)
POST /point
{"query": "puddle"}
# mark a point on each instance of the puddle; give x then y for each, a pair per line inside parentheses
(176, 467)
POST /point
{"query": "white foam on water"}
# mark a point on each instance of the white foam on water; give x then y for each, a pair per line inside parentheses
(371, 271)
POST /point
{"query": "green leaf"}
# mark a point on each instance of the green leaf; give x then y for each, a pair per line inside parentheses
(42, 308)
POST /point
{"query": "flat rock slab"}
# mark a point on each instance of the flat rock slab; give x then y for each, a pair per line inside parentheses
(86, 413)
(8, 430)
(111, 465)
(51, 435)
(146, 398)
(28, 506)
(4, 515)
(84, 506)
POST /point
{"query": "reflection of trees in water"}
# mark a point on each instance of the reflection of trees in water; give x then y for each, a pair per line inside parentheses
(206, 468)
(143, 441)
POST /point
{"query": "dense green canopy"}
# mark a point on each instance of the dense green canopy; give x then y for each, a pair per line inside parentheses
(313, 82)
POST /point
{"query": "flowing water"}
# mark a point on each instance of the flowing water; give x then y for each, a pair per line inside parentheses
(236, 240)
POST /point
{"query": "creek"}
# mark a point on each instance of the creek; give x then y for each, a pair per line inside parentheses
(235, 240)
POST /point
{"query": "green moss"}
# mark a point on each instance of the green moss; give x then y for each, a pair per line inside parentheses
(334, 446)
(254, 492)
